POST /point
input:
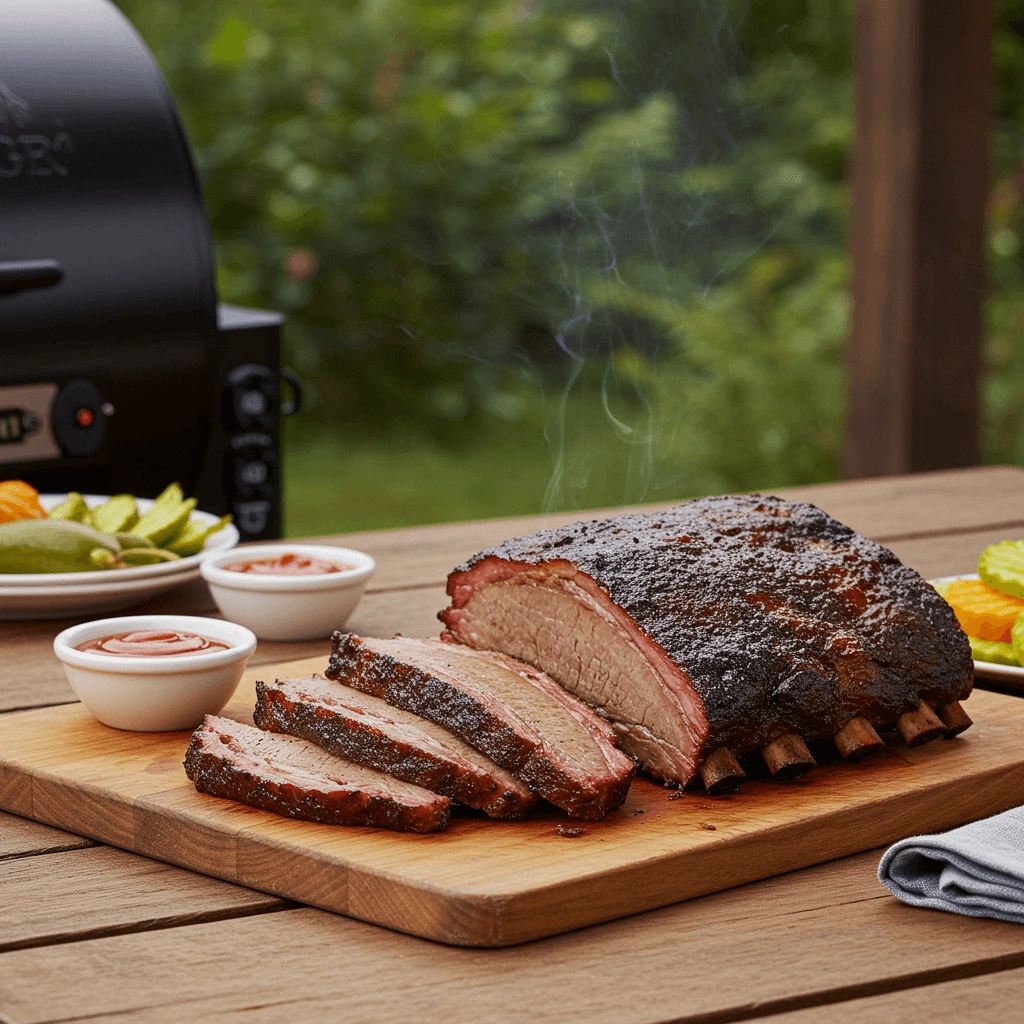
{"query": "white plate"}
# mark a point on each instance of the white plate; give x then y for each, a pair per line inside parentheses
(67, 594)
(986, 669)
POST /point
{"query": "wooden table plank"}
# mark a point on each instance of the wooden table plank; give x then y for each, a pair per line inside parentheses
(20, 837)
(783, 943)
(949, 553)
(100, 891)
(983, 999)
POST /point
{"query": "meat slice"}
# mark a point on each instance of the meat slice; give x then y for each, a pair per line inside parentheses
(717, 627)
(298, 779)
(514, 714)
(371, 732)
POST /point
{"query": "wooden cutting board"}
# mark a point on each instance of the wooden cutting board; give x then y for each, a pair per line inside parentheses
(489, 883)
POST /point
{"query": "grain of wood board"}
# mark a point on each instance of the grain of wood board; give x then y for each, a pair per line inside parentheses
(826, 932)
(90, 892)
(492, 883)
(21, 837)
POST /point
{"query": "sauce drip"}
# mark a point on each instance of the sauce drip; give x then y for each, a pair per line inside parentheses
(288, 565)
(150, 643)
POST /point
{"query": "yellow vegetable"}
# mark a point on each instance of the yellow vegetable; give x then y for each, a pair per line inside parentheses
(982, 611)
(19, 500)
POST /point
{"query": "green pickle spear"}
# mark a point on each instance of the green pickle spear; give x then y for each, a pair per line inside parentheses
(147, 556)
(163, 521)
(75, 538)
(172, 494)
(129, 540)
(116, 515)
(73, 509)
(1002, 566)
(54, 545)
(1017, 641)
(193, 537)
(994, 651)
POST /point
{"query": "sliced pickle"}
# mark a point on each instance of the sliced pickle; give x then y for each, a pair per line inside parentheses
(130, 540)
(1017, 640)
(163, 521)
(192, 539)
(172, 494)
(117, 515)
(147, 556)
(992, 650)
(1002, 566)
(103, 558)
(73, 508)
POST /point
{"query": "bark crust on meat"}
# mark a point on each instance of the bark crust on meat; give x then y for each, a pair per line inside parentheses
(771, 617)
(297, 779)
(368, 731)
(520, 719)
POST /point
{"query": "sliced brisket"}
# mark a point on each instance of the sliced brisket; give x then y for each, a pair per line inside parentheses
(512, 713)
(371, 732)
(300, 780)
(722, 623)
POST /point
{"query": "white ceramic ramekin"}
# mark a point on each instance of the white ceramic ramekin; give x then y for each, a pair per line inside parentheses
(157, 694)
(288, 607)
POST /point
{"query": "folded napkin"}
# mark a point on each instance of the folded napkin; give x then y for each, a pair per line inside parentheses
(977, 869)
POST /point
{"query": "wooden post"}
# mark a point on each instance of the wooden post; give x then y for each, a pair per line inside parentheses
(920, 184)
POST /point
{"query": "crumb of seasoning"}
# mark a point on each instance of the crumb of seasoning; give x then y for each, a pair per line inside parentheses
(569, 830)
(707, 826)
(677, 795)
(639, 810)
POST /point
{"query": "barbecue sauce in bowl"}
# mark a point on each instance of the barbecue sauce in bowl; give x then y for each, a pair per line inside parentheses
(287, 565)
(151, 643)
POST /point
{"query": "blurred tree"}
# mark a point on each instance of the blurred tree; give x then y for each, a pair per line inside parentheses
(637, 204)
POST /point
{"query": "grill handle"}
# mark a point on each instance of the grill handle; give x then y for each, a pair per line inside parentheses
(23, 275)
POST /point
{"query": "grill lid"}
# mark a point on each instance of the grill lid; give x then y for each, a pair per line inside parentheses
(104, 230)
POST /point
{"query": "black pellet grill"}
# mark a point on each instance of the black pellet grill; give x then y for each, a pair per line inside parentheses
(119, 371)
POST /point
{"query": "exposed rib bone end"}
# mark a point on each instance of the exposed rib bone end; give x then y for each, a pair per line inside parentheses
(858, 739)
(920, 726)
(954, 718)
(788, 757)
(721, 772)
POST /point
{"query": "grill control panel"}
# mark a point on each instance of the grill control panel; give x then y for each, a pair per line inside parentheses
(251, 409)
(247, 434)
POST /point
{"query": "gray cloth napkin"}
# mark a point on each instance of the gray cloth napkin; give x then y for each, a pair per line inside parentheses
(977, 869)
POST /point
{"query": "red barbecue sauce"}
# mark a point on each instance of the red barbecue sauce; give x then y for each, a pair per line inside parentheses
(150, 643)
(288, 565)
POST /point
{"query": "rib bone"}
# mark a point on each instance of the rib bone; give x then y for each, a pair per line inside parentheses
(954, 718)
(788, 757)
(920, 726)
(721, 772)
(858, 739)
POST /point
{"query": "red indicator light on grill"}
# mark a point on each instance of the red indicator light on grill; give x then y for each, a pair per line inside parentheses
(85, 417)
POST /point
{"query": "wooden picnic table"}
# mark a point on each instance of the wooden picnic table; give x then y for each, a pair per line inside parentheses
(92, 932)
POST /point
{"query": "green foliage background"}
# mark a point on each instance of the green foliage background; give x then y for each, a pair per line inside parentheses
(555, 254)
